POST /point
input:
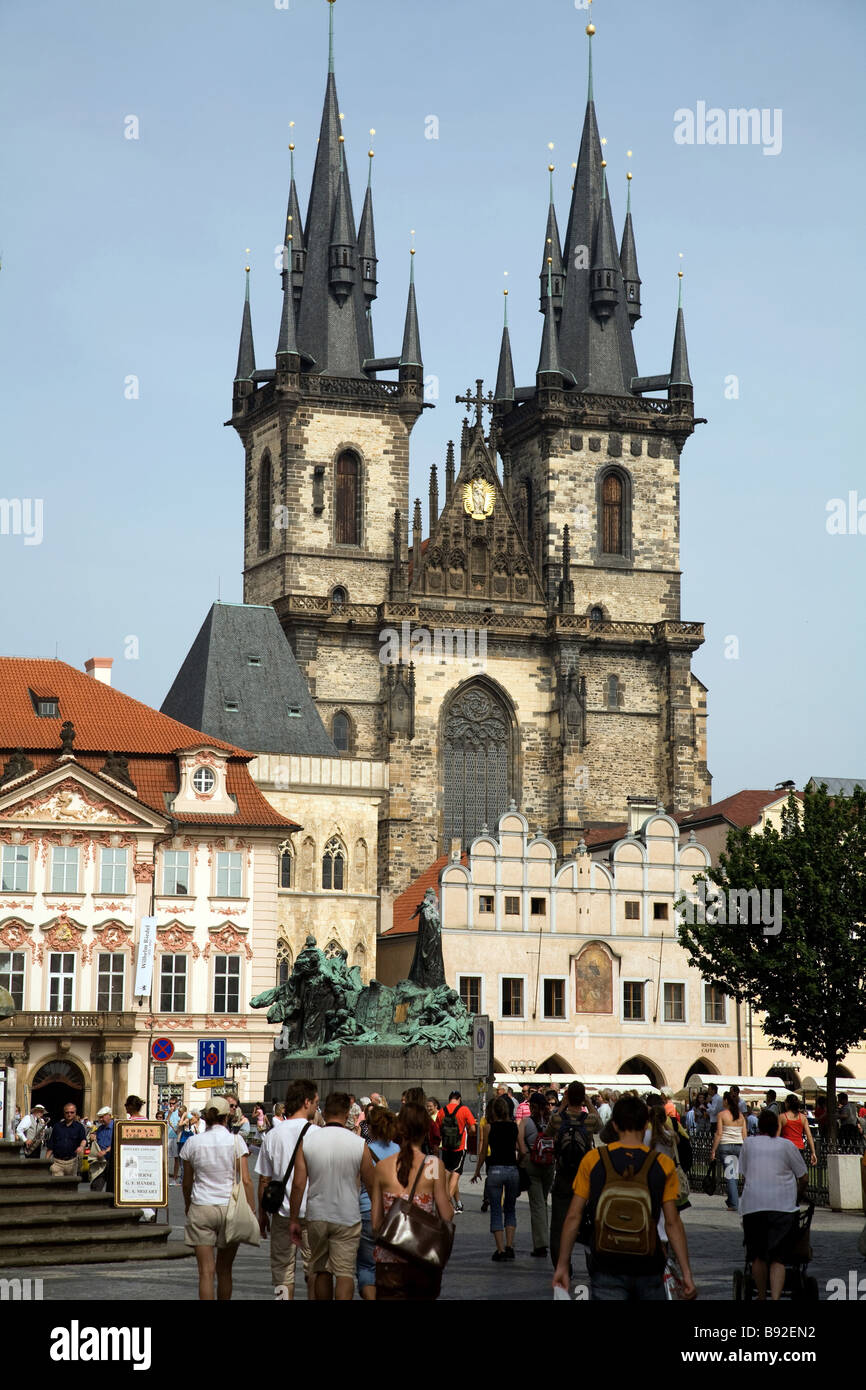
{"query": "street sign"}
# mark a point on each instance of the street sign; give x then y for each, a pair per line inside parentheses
(211, 1058)
(210, 1085)
(162, 1049)
(481, 1045)
(160, 1076)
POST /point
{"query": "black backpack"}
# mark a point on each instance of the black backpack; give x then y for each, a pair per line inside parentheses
(571, 1146)
(450, 1133)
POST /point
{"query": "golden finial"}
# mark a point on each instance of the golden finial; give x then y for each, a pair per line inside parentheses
(629, 176)
(551, 168)
(550, 260)
(590, 28)
(246, 267)
(342, 139)
(412, 247)
(604, 164)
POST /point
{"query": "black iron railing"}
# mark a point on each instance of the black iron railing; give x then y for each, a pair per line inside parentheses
(817, 1189)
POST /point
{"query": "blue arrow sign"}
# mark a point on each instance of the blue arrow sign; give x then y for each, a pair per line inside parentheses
(211, 1058)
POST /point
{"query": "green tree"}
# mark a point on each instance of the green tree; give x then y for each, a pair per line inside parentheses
(808, 976)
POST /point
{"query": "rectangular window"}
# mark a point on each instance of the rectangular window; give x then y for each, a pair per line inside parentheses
(229, 875)
(64, 870)
(485, 902)
(715, 1007)
(470, 993)
(16, 864)
(632, 911)
(675, 1003)
(109, 982)
(12, 975)
(61, 977)
(512, 907)
(112, 877)
(632, 1000)
(554, 998)
(538, 907)
(175, 872)
(172, 984)
(227, 984)
(512, 997)
(660, 912)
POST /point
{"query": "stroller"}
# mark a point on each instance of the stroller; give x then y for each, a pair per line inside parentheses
(798, 1284)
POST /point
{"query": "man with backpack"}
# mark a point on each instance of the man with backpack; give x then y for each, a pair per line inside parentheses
(626, 1188)
(456, 1122)
(572, 1128)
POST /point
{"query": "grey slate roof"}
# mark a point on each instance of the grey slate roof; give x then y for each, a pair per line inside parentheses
(217, 670)
(411, 354)
(505, 374)
(680, 357)
(838, 786)
(246, 352)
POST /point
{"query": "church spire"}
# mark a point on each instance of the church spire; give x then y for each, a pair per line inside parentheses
(367, 239)
(505, 375)
(549, 373)
(295, 252)
(628, 264)
(552, 257)
(332, 311)
(681, 381)
(595, 343)
(411, 354)
(246, 352)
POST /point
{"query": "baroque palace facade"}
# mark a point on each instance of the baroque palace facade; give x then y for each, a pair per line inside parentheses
(553, 535)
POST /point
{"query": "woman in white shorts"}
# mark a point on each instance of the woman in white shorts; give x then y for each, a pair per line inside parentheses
(211, 1161)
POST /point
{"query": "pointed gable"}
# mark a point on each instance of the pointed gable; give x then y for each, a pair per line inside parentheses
(475, 548)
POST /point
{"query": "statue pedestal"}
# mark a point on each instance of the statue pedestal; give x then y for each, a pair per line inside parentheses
(388, 1070)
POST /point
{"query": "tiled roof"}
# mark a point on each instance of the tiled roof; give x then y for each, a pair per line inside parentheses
(424, 545)
(405, 924)
(107, 721)
(742, 809)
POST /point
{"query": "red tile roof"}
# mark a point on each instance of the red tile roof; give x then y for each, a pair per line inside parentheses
(424, 545)
(107, 721)
(405, 924)
(742, 809)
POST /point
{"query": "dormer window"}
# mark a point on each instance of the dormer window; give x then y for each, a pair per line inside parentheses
(203, 780)
(48, 709)
(231, 706)
(293, 711)
(254, 661)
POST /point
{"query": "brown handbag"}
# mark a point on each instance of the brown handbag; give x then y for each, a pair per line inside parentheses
(418, 1235)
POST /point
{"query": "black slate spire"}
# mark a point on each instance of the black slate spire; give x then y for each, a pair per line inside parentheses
(604, 291)
(246, 352)
(505, 375)
(411, 353)
(549, 373)
(293, 239)
(552, 259)
(680, 377)
(628, 265)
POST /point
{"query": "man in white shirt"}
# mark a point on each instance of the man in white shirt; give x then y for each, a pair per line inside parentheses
(31, 1130)
(334, 1161)
(275, 1154)
(605, 1110)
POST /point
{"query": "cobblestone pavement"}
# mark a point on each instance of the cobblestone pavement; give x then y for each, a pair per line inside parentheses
(714, 1235)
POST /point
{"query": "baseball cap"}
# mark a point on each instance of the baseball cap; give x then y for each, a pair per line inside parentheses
(37, 1106)
(219, 1104)
(106, 1110)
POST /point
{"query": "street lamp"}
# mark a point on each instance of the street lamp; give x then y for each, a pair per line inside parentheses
(235, 1062)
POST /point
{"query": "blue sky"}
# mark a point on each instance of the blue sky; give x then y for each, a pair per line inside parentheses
(125, 258)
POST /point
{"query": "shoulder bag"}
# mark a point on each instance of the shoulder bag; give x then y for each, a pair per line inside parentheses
(275, 1193)
(419, 1236)
(241, 1226)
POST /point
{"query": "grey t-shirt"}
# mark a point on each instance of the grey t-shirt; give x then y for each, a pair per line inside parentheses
(771, 1167)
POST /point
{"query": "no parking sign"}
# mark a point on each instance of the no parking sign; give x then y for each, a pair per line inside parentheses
(211, 1058)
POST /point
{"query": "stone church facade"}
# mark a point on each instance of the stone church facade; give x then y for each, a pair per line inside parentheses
(530, 647)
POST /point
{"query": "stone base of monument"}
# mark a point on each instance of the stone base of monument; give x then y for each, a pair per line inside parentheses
(388, 1070)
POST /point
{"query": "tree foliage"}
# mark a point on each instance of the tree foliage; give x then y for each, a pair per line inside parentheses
(809, 980)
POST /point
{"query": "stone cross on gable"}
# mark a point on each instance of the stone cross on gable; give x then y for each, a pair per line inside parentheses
(479, 400)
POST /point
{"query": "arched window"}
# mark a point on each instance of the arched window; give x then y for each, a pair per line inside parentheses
(612, 515)
(286, 868)
(265, 503)
(285, 960)
(347, 499)
(477, 762)
(332, 950)
(341, 732)
(333, 865)
(596, 614)
(339, 597)
(614, 692)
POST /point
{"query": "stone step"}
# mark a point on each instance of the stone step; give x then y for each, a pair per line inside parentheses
(20, 1205)
(62, 1235)
(17, 1181)
(94, 1254)
(63, 1216)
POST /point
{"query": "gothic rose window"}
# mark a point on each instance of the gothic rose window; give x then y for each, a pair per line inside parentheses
(477, 763)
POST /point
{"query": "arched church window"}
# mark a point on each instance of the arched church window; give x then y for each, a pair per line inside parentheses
(286, 868)
(614, 692)
(347, 500)
(612, 515)
(596, 614)
(341, 732)
(339, 597)
(265, 490)
(333, 865)
(477, 762)
(332, 950)
(285, 961)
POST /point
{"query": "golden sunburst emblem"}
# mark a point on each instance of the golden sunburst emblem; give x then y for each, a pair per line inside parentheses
(478, 499)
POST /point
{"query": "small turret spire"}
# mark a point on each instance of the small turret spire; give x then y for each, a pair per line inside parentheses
(552, 258)
(246, 352)
(411, 353)
(287, 346)
(628, 264)
(548, 361)
(295, 255)
(680, 359)
(449, 469)
(604, 293)
(505, 374)
(434, 497)
(367, 239)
